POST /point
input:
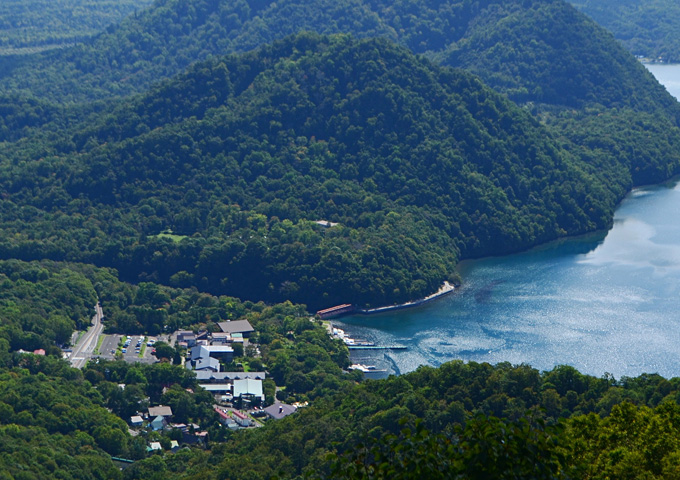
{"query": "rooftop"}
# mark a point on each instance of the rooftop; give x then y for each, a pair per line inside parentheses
(236, 326)
(162, 410)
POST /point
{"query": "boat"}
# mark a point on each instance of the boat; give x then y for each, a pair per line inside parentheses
(369, 371)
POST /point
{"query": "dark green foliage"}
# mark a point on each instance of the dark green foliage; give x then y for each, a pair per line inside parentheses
(485, 449)
(41, 304)
(53, 423)
(420, 165)
(518, 46)
(34, 25)
(649, 29)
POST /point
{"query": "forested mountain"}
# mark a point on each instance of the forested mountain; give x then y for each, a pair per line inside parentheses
(31, 25)
(542, 53)
(419, 164)
(418, 173)
(213, 182)
(650, 28)
(537, 50)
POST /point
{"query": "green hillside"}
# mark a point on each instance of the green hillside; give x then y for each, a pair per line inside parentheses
(538, 50)
(649, 29)
(542, 53)
(420, 165)
(34, 25)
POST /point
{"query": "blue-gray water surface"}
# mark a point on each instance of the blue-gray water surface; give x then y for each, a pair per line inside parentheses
(603, 303)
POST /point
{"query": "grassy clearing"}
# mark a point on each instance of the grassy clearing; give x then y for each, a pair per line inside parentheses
(171, 236)
(141, 351)
(100, 340)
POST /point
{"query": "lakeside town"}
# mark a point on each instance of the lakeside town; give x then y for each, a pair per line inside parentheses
(239, 398)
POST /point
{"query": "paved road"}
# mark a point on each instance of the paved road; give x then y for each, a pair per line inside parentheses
(85, 347)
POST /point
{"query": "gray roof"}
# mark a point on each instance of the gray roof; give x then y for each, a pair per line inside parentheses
(208, 376)
(280, 410)
(205, 351)
(199, 351)
(208, 363)
(212, 387)
(248, 387)
(162, 410)
(219, 349)
(236, 326)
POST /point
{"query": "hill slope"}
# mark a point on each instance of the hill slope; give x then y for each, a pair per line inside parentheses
(650, 29)
(537, 50)
(30, 25)
(542, 53)
(418, 164)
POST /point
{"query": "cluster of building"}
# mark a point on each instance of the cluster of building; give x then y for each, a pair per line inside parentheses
(235, 393)
(207, 352)
(159, 418)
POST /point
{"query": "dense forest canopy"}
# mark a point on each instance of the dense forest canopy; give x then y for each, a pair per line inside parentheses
(34, 25)
(213, 182)
(649, 28)
(420, 165)
(514, 45)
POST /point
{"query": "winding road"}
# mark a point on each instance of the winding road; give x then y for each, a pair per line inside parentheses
(84, 349)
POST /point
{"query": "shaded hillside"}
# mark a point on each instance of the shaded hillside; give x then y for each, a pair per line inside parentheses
(29, 25)
(418, 164)
(542, 53)
(538, 50)
(649, 29)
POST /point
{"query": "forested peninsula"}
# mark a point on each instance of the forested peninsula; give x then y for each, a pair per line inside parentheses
(205, 161)
(419, 165)
(418, 173)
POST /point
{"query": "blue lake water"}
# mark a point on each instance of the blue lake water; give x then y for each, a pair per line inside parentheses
(604, 303)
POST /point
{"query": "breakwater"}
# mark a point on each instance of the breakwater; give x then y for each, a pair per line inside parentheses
(443, 290)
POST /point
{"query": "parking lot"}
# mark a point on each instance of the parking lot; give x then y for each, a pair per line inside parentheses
(133, 347)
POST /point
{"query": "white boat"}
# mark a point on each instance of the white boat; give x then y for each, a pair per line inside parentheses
(368, 370)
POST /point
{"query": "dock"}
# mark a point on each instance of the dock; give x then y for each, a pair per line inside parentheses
(377, 347)
(445, 289)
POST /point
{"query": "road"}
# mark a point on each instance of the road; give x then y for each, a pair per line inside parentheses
(84, 349)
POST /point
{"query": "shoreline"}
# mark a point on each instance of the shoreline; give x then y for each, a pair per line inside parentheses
(348, 309)
(445, 289)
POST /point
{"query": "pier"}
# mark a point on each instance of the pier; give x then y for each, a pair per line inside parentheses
(377, 347)
(443, 290)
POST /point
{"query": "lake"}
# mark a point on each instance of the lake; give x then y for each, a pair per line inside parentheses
(603, 303)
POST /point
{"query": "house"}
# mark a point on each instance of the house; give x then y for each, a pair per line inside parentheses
(153, 446)
(194, 438)
(237, 326)
(223, 414)
(204, 357)
(221, 338)
(240, 418)
(205, 364)
(136, 421)
(279, 410)
(187, 337)
(160, 410)
(223, 352)
(158, 423)
(200, 355)
(248, 390)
